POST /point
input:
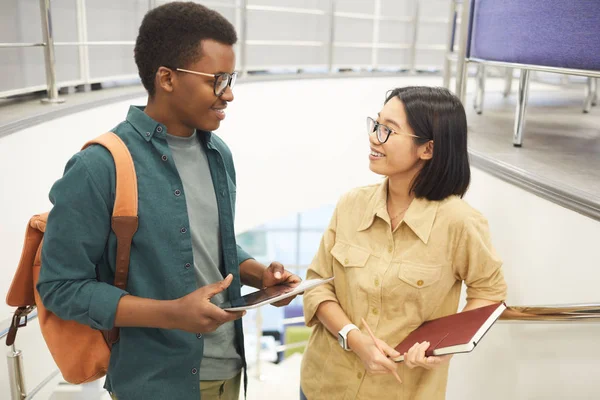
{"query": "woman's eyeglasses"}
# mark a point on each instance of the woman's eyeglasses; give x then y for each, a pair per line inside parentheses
(383, 132)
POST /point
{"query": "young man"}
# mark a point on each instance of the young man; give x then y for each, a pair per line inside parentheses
(172, 336)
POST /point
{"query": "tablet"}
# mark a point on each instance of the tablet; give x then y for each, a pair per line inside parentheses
(273, 294)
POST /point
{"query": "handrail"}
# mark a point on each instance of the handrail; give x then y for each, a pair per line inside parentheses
(43, 383)
(18, 45)
(241, 9)
(589, 312)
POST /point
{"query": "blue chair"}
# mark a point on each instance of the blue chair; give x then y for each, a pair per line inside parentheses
(540, 35)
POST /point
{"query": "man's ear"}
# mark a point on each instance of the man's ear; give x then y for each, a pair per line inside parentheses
(427, 152)
(164, 79)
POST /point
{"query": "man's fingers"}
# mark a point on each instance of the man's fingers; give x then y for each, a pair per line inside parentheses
(221, 316)
(217, 287)
(284, 302)
(277, 270)
(293, 279)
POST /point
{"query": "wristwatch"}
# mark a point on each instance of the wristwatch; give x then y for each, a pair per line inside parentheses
(343, 335)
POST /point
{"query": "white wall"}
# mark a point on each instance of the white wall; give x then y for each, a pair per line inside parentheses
(301, 144)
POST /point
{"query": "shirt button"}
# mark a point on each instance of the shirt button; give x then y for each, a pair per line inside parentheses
(223, 193)
(183, 230)
(420, 282)
(164, 158)
(346, 261)
(390, 249)
(359, 375)
(147, 134)
(188, 265)
(177, 192)
(198, 335)
(376, 282)
(375, 311)
(194, 371)
(159, 129)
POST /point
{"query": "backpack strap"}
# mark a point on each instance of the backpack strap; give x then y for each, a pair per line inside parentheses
(125, 210)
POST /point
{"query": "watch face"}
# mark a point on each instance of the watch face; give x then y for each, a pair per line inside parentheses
(341, 340)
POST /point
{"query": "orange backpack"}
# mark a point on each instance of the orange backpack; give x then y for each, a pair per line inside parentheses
(80, 352)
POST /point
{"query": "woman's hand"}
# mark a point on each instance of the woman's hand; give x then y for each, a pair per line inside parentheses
(415, 357)
(374, 360)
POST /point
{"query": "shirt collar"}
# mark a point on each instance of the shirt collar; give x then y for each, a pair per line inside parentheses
(419, 217)
(149, 128)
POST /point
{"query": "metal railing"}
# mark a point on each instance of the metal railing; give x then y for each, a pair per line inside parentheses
(241, 8)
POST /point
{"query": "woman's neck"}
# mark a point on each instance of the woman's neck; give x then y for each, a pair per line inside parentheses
(399, 193)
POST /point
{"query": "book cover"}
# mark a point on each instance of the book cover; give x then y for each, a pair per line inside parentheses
(456, 333)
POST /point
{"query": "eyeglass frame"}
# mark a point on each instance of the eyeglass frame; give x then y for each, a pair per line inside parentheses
(388, 130)
(232, 78)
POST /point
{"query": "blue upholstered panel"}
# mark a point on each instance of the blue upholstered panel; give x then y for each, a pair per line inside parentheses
(553, 33)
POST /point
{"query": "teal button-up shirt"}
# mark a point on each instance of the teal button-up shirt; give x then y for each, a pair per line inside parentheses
(79, 246)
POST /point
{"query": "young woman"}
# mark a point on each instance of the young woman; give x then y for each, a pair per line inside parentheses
(400, 251)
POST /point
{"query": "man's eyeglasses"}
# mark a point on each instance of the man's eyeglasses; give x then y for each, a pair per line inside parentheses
(222, 80)
(383, 132)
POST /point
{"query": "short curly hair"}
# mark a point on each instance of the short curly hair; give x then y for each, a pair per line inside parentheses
(169, 36)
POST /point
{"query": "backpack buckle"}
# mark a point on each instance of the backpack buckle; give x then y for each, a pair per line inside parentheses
(17, 322)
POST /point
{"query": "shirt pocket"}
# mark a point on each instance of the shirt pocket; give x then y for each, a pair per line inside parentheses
(419, 276)
(350, 256)
(352, 266)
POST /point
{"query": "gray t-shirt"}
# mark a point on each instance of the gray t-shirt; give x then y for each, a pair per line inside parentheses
(221, 360)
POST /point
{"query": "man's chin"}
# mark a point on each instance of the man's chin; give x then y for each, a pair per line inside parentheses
(213, 126)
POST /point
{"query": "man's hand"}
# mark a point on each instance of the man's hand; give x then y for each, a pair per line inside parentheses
(276, 274)
(195, 313)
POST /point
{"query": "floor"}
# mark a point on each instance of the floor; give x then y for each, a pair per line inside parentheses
(561, 143)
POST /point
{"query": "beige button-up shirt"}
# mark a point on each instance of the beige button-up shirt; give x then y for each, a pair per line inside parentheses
(395, 281)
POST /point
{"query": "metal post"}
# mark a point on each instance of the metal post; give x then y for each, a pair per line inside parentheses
(84, 56)
(480, 91)
(15, 374)
(331, 36)
(450, 44)
(591, 94)
(243, 6)
(521, 108)
(508, 78)
(461, 63)
(49, 54)
(413, 48)
(259, 333)
(376, 22)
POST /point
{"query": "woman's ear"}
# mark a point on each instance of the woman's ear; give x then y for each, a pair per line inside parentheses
(427, 151)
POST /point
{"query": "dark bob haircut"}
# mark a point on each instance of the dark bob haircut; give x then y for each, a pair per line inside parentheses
(436, 114)
(170, 35)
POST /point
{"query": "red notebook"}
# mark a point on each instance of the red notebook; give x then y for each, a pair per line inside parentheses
(456, 333)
